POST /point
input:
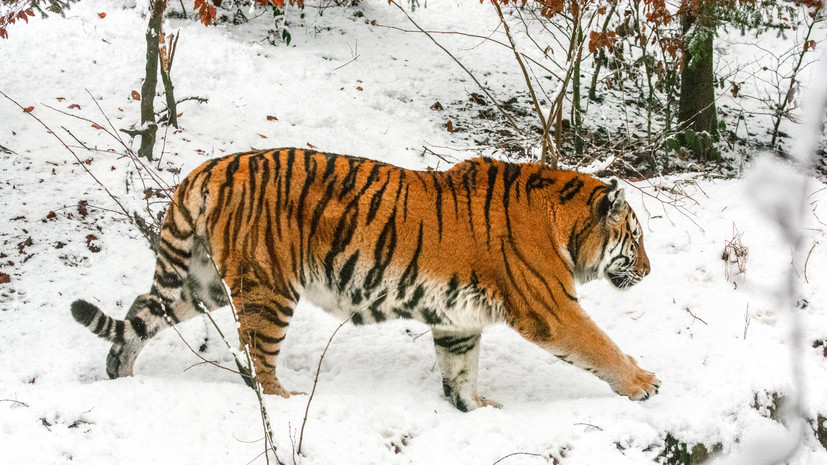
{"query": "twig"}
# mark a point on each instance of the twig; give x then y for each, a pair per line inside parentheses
(203, 360)
(441, 157)
(466, 34)
(316, 381)
(530, 454)
(522, 66)
(15, 401)
(73, 137)
(590, 425)
(695, 316)
(508, 118)
(349, 62)
(808, 261)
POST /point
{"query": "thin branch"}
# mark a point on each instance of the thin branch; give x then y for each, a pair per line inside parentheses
(530, 454)
(203, 360)
(15, 401)
(522, 66)
(808, 261)
(695, 316)
(508, 118)
(316, 381)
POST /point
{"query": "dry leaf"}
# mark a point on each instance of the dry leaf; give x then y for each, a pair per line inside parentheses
(101, 15)
(4, 278)
(136, 95)
(271, 118)
(97, 126)
(311, 146)
(449, 126)
(28, 109)
(262, 136)
(75, 106)
(360, 88)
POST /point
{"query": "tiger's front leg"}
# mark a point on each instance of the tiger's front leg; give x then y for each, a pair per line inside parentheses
(576, 339)
(457, 354)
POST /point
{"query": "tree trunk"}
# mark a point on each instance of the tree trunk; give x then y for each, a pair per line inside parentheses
(696, 107)
(153, 32)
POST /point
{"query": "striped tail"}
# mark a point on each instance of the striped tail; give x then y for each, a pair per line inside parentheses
(106, 327)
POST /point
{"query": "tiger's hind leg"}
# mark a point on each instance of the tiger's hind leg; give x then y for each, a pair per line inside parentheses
(264, 316)
(458, 353)
(201, 290)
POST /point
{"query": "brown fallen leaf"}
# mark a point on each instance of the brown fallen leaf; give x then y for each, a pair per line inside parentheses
(271, 118)
(75, 106)
(28, 109)
(101, 15)
(449, 126)
(4, 278)
(136, 95)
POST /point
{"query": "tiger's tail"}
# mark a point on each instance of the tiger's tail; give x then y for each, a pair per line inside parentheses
(106, 327)
(167, 302)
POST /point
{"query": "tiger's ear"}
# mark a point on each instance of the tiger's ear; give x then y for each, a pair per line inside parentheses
(611, 205)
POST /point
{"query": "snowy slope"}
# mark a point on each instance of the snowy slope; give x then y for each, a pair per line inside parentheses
(379, 397)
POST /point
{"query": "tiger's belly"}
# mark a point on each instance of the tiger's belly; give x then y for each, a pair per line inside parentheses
(450, 306)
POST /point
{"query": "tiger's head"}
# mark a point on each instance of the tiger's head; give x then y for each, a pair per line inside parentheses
(613, 248)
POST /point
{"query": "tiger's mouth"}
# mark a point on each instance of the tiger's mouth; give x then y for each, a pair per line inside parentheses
(623, 280)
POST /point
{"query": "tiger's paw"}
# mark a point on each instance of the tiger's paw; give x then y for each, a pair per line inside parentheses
(639, 384)
(473, 402)
(272, 387)
(489, 403)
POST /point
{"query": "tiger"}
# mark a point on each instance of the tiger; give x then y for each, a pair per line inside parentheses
(482, 243)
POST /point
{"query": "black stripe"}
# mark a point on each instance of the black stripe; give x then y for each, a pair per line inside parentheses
(310, 176)
(489, 194)
(376, 201)
(347, 270)
(291, 158)
(570, 189)
(382, 254)
(342, 236)
(417, 295)
(412, 270)
(510, 175)
(139, 326)
(268, 339)
(101, 321)
(438, 188)
(277, 179)
(450, 183)
(329, 166)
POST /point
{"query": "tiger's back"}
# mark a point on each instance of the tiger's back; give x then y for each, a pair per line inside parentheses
(481, 243)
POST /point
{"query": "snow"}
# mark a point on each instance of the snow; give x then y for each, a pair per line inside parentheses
(379, 398)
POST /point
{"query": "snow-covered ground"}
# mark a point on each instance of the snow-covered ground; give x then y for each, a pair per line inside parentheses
(720, 347)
